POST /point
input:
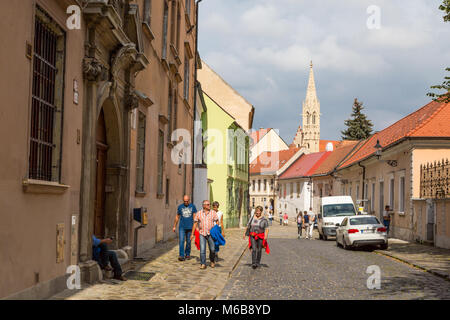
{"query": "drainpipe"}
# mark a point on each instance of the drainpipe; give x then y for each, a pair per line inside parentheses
(195, 97)
(364, 179)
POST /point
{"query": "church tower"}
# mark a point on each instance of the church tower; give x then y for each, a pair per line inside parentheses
(311, 116)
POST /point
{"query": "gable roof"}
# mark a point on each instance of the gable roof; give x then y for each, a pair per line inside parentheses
(269, 162)
(335, 158)
(305, 165)
(430, 121)
(258, 135)
(226, 96)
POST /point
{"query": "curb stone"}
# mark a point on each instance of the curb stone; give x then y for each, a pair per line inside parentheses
(434, 272)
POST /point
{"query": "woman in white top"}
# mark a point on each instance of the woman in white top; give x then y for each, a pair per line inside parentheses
(215, 206)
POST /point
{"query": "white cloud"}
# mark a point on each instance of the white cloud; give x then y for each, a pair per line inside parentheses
(263, 49)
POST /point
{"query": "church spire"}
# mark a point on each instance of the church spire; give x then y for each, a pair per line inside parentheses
(311, 115)
(311, 94)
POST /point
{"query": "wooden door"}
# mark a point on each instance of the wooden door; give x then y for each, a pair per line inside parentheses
(102, 147)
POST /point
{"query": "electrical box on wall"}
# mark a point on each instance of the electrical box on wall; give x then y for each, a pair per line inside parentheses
(140, 215)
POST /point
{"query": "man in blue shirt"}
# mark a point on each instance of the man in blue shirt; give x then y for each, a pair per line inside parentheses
(185, 214)
(102, 255)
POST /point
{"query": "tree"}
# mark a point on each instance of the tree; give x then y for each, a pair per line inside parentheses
(445, 97)
(358, 127)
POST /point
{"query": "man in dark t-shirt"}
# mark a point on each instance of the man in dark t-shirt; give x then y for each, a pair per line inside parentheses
(185, 215)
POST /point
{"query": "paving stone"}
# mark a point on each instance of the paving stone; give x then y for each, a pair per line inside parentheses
(173, 279)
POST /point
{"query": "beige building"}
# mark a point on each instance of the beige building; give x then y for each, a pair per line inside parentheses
(92, 127)
(385, 169)
(226, 96)
(266, 140)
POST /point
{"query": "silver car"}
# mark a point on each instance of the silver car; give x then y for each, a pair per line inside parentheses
(359, 231)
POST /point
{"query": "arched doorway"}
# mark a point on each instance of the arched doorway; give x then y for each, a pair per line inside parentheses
(101, 160)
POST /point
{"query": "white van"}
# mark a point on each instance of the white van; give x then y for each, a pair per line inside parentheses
(332, 211)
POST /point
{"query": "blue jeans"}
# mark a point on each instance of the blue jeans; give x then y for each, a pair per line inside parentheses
(185, 236)
(386, 224)
(212, 252)
(111, 257)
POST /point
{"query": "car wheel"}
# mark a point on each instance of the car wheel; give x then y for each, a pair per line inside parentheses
(384, 246)
(344, 244)
(325, 237)
(320, 236)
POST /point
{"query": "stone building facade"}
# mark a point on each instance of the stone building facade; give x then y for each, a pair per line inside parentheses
(92, 111)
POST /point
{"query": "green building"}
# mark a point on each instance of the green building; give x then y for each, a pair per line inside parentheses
(227, 154)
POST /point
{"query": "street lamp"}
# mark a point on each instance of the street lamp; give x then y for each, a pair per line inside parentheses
(392, 163)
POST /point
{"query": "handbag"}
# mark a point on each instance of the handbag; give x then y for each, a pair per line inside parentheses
(247, 232)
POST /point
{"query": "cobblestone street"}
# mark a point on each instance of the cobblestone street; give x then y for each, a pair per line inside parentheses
(173, 279)
(316, 269)
(295, 269)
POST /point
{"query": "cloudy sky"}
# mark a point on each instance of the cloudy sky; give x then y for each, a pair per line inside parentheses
(263, 48)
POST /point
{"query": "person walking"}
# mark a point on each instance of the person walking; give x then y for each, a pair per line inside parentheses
(299, 224)
(387, 217)
(280, 215)
(306, 223)
(270, 217)
(312, 219)
(257, 231)
(215, 206)
(185, 215)
(205, 220)
(285, 219)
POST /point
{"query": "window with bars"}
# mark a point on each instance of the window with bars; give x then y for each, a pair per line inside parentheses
(147, 11)
(186, 78)
(167, 191)
(172, 22)
(47, 99)
(160, 162)
(169, 113)
(177, 44)
(188, 7)
(165, 27)
(140, 153)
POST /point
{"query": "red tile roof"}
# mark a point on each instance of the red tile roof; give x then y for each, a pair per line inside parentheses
(335, 157)
(323, 144)
(258, 135)
(268, 162)
(305, 165)
(432, 120)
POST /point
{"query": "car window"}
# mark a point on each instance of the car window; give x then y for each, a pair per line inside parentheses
(363, 220)
(336, 210)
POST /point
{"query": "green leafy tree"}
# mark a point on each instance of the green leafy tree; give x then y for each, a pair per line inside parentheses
(358, 127)
(445, 97)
